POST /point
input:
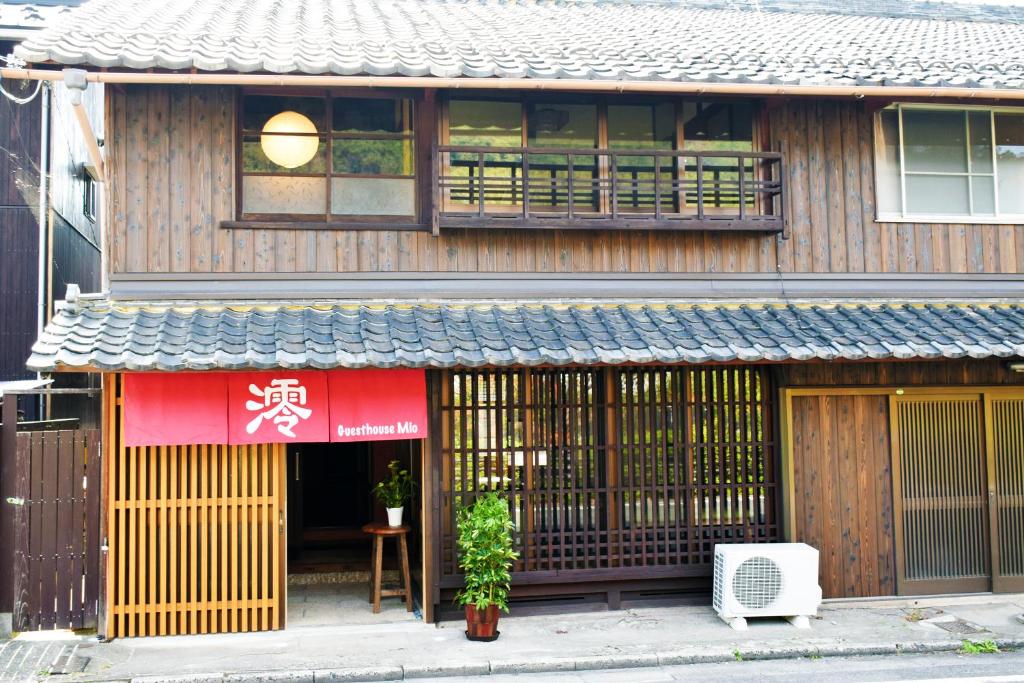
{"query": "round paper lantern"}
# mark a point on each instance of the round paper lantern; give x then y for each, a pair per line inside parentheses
(289, 151)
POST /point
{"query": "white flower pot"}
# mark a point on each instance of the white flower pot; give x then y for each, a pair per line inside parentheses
(395, 516)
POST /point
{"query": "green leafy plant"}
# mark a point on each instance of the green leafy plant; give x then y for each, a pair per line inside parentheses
(485, 552)
(397, 489)
(981, 647)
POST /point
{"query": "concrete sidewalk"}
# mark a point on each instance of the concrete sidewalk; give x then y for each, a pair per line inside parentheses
(650, 636)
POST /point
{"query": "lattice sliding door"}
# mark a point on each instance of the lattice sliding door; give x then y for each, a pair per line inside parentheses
(943, 541)
(195, 539)
(1008, 465)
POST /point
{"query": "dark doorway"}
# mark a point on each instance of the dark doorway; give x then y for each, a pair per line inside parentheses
(329, 500)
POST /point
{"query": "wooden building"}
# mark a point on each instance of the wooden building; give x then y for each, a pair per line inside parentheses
(671, 274)
(50, 230)
(71, 238)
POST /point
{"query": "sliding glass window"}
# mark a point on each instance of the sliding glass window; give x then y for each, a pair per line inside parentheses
(327, 159)
(940, 163)
(593, 156)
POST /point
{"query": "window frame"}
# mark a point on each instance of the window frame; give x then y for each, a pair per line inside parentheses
(90, 198)
(327, 220)
(903, 216)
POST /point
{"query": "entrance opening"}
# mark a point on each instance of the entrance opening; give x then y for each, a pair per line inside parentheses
(330, 499)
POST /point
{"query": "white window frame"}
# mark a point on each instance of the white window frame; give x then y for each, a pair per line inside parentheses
(903, 216)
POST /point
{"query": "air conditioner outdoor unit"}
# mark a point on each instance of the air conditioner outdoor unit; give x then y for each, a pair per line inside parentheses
(766, 580)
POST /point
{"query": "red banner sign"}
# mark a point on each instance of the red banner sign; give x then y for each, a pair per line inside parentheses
(377, 405)
(274, 406)
(175, 408)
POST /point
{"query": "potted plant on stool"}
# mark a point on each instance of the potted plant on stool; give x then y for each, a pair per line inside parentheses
(486, 557)
(394, 492)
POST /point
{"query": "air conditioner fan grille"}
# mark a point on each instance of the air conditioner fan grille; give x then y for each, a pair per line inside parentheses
(757, 582)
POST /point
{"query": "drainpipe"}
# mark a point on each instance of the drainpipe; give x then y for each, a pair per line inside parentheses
(44, 203)
(533, 84)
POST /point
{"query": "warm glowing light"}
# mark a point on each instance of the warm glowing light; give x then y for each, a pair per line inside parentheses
(289, 151)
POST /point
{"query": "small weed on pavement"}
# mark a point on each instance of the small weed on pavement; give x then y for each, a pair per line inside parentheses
(980, 647)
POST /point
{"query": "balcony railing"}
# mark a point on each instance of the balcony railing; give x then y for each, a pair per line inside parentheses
(534, 187)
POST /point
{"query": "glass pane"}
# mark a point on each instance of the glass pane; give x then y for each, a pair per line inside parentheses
(570, 126)
(715, 126)
(284, 194)
(254, 158)
(377, 157)
(984, 195)
(636, 127)
(363, 115)
(980, 123)
(373, 196)
(1010, 158)
(562, 125)
(937, 194)
(934, 141)
(888, 169)
(641, 126)
(259, 108)
(485, 123)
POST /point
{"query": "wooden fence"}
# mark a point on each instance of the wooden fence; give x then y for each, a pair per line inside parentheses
(57, 533)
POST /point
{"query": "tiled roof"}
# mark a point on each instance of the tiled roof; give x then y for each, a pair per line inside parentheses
(98, 334)
(20, 19)
(887, 42)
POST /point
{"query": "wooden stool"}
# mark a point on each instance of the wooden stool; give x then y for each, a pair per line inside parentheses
(379, 532)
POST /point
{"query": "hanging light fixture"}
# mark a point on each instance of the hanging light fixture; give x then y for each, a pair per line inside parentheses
(289, 139)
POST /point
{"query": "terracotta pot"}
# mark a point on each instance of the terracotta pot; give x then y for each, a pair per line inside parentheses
(482, 624)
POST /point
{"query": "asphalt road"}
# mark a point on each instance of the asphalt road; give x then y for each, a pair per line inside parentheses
(1006, 667)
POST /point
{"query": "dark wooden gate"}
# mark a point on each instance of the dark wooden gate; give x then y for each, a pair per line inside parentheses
(57, 531)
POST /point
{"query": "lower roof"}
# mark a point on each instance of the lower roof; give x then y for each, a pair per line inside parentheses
(109, 335)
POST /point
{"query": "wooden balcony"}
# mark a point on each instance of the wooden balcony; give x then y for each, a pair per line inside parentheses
(641, 189)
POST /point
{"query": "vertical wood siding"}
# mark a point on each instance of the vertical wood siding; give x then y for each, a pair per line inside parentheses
(171, 156)
(842, 489)
(991, 372)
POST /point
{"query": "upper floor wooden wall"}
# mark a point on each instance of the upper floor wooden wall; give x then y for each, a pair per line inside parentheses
(171, 181)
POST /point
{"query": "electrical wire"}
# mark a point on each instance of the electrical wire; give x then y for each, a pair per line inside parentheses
(16, 63)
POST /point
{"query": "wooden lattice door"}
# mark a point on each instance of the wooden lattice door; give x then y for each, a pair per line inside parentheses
(958, 468)
(196, 537)
(942, 531)
(1007, 430)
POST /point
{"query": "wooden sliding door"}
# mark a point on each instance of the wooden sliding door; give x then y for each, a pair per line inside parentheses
(942, 529)
(1007, 437)
(196, 538)
(959, 469)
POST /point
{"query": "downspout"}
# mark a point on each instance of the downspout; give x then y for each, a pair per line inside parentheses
(44, 208)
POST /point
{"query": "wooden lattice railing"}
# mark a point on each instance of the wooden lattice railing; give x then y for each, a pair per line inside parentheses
(539, 187)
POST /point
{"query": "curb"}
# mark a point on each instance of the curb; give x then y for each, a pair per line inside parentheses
(594, 663)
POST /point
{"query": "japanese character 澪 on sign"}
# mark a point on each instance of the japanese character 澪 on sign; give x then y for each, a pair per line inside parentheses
(268, 407)
(283, 402)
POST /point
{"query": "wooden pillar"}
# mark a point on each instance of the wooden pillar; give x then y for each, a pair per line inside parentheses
(611, 439)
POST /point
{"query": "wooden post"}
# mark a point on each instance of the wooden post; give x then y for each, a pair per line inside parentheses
(8, 455)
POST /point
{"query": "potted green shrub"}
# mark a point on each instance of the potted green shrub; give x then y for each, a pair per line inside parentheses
(395, 491)
(486, 557)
